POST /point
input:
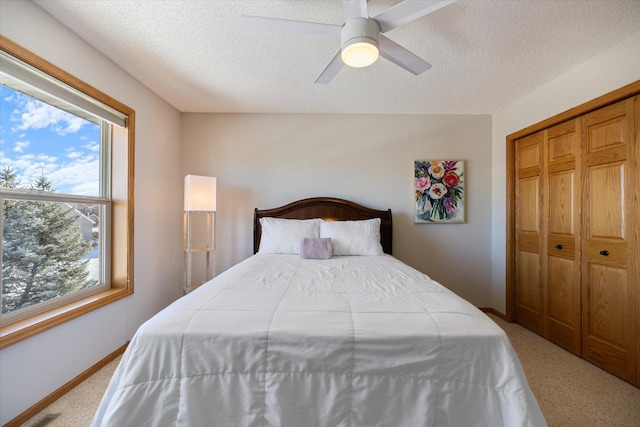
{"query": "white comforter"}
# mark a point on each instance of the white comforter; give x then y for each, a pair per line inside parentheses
(351, 341)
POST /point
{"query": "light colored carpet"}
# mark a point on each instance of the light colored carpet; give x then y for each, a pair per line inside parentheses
(570, 391)
(77, 407)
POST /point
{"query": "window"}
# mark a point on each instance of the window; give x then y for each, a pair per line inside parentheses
(66, 181)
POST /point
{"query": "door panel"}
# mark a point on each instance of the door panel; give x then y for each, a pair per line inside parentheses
(607, 127)
(529, 205)
(607, 329)
(529, 152)
(563, 315)
(529, 290)
(610, 252)
(608, 317)
(562, 208)
(562, 287)
(562, 147)
(606, 201)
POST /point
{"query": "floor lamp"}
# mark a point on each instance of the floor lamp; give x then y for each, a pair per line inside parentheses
(199, 228)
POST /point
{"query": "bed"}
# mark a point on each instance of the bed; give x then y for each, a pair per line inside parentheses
(282, 339)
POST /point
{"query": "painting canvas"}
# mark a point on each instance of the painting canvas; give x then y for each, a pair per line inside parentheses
(439, 191)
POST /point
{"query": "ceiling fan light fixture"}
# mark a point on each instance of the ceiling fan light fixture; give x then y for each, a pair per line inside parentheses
(360, 42)
(360, 54)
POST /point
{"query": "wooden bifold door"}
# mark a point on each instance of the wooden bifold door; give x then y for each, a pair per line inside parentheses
(548, 234)
(609, 293)
(576, 235)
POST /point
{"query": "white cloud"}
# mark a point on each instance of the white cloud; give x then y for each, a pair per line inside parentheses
(88, 188)
(92, 146)
(72, 153)
(79, 177)
(20, 146)
(34, 114)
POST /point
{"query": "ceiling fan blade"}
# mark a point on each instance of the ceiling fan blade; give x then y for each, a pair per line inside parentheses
(402, 57)
(290, 26)
(408, 11)
(355, 9)
(330, 71)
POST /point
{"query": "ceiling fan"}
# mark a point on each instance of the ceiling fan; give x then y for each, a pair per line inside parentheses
(362, 36)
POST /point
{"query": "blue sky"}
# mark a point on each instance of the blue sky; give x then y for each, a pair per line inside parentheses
(36, 138)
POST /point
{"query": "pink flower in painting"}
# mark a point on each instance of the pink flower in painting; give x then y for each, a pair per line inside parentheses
(451, 179)
(437, 191)
(423, 183)
(436, 170)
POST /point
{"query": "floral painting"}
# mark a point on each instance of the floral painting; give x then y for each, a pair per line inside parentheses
(439, 191)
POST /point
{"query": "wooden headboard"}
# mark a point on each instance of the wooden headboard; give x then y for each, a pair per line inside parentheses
(327, 208)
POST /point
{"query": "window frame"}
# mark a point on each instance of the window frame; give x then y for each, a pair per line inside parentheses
(104, 244)
(121, 185)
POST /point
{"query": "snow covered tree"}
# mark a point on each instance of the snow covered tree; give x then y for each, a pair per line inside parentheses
(43, 253)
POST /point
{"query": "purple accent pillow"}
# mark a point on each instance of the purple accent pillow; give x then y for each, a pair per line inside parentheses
(315, 248)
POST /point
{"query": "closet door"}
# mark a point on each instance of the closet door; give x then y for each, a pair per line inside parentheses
(562, 228)
(529, 291)
(609, 290)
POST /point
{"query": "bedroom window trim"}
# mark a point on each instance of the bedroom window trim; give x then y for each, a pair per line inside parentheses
(120, 184)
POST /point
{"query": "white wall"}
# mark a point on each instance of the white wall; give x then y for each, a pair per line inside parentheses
(605, 72)
(265, 161)
(34, 368)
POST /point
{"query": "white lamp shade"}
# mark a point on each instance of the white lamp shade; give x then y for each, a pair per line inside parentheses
(199, 193)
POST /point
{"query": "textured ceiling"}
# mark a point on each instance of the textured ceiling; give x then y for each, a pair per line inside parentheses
(199, 56)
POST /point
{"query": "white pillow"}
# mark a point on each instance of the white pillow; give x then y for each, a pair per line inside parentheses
(283, 236)
(353, 237)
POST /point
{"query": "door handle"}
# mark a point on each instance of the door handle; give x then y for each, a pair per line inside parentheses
(558, 246)
(604, 253)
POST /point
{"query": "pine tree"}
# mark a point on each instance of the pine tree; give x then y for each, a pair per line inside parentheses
(43, 250)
